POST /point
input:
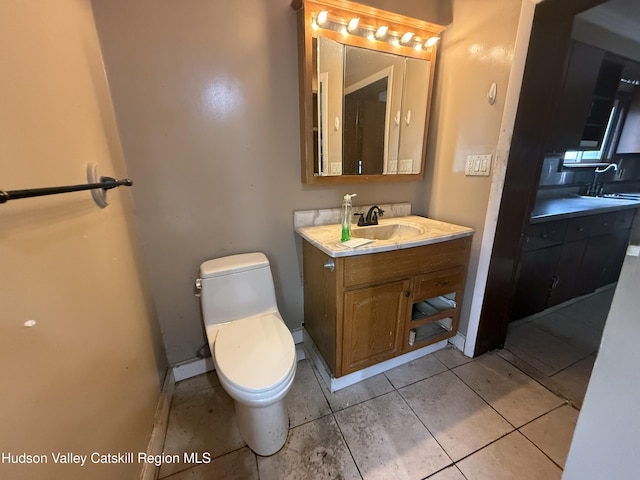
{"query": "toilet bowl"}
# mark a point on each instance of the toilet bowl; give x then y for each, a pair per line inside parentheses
(252, 349)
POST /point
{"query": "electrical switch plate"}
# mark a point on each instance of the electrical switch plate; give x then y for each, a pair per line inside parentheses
(478, 165)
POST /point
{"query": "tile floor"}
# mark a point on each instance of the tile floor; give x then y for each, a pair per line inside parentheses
(559, 347)
(504, 415)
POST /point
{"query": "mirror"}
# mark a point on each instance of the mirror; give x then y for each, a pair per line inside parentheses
(363, 101)
(381, 101)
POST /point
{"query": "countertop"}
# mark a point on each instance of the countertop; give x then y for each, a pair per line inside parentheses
(577, 206)
(327, 237)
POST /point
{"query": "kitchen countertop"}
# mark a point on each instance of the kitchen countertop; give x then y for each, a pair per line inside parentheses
(327, 237)
(577, 206)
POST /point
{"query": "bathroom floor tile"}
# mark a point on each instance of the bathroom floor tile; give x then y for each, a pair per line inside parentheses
(593, 310)
(514, 395)
(543, 350)
(238, 465)
(305, 400)
(360, 392)
(454, 414)
(315, 450)
(185, 389)
(414, 371)
(205, 423)
(449, 473)
(451, 357)
(575, 379)
(571, 330)
(511, 457)
(388, 441)
(552, 433)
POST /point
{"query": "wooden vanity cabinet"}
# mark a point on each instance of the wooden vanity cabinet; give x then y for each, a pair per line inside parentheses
(361, 310)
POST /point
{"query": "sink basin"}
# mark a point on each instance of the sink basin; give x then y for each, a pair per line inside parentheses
(389, 231)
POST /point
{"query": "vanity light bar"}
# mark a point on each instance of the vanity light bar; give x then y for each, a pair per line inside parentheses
(381, 33)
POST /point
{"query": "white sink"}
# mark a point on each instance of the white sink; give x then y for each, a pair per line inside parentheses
(388, 231)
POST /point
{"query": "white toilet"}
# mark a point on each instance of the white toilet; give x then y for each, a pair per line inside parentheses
(252, 348)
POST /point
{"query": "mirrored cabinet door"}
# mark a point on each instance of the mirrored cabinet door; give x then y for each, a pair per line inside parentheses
(364, 96)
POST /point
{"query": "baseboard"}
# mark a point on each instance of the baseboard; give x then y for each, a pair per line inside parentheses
(198, 366)
(458, 341)
(161, 419)
(192, 368)
(334, 384)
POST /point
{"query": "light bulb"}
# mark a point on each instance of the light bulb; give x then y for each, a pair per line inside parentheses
(322, 17)
(431, 42)
(382, 31)
(406, 38)
(353, 24)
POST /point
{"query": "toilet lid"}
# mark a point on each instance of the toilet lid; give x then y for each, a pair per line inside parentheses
(255, 353)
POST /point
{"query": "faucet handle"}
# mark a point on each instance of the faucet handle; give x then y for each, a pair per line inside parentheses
(361, 221)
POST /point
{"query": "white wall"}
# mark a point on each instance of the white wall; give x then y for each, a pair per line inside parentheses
(605, 441)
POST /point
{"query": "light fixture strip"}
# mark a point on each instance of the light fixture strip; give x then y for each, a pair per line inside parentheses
(365, 28)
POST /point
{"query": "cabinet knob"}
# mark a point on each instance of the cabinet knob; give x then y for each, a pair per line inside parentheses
(407, 293)
(330, 265)
(442, 283)
(544, 235)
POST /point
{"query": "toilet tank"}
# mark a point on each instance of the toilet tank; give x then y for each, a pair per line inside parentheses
(236, 287)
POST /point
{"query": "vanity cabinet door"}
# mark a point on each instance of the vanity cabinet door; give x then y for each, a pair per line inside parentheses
(373, 321)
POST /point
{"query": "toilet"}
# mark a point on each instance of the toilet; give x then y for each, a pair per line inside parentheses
(252, 348)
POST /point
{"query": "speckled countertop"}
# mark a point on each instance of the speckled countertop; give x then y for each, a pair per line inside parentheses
(577, 206)
(327, 237)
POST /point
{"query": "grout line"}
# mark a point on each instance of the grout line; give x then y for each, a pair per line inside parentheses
(540, 449)
(344, 439)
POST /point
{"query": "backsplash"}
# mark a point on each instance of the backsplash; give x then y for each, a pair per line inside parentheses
(328, 216)
(627, 177)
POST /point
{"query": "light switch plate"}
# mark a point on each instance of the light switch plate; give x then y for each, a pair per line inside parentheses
(478, 165)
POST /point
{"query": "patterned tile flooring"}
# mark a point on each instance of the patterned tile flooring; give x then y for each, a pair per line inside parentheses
(506, 414)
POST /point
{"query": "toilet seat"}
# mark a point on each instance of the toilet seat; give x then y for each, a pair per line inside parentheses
(255, 354)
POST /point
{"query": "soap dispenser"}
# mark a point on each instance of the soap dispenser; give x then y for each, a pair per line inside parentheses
(345, 217)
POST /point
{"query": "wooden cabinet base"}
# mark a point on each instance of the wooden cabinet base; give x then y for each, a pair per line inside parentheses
(371, 308)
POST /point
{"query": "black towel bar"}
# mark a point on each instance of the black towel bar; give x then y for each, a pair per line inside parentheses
(105, 183)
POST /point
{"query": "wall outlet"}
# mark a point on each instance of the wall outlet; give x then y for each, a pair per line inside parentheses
(478, 165)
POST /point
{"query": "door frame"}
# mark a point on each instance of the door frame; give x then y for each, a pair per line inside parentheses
(546, 61)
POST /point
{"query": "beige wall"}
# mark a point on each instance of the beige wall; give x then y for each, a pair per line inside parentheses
(86, 377)
(477, 49)
(205, 94)
(206, 98)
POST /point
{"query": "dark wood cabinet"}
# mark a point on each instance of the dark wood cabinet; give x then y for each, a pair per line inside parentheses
(589, 87)
(630, 137)
(564, 259)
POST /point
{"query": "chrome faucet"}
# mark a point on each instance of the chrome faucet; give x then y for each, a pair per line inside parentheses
(615, 168)
(595, 189)
(372, 216)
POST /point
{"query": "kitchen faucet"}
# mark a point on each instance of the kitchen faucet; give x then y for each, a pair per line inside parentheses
(595, 189)
(372, 216)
